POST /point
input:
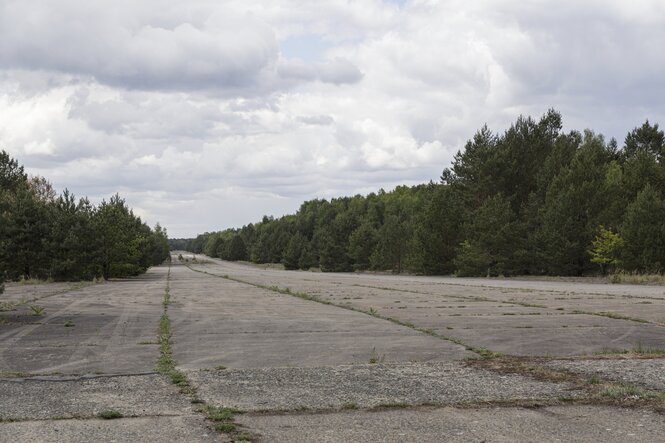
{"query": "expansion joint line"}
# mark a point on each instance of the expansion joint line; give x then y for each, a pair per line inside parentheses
(223, 418)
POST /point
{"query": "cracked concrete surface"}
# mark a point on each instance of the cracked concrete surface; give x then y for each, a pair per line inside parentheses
(301, 369)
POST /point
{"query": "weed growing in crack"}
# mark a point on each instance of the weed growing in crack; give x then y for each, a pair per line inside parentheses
(648, 350)
(393, 405)
(14, 374)
(167, 297)
(109, 414)
(485, 353)
(7, 306)
(631, 392)
(222, 417)
(612, 315)
(640, 351)
(375, 358)
(37, 310)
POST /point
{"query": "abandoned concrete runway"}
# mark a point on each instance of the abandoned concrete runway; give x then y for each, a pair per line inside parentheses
(333, 357)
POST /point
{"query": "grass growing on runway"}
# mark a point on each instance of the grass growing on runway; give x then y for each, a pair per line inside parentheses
(109, 414)
(221, 417)
(637, 279)
(37, 310)
(166, 364)
(612, 315)
(167, 296)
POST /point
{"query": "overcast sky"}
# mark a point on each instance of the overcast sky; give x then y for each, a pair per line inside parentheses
(207, 114)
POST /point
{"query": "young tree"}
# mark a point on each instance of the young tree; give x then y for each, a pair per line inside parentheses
(606, 249)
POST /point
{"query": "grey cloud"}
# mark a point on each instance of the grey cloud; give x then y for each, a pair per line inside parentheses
(317, 120)
(228, 51)
(167, 100)
(141, 115)
(337, 71)
(606, 50)
(216, 48)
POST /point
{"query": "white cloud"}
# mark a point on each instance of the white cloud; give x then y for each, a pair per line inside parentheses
(208, 114)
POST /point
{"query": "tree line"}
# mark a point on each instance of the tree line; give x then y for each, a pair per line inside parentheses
(49, 236)
(533, 200)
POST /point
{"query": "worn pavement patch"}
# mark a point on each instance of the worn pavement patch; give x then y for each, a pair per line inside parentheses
(509, 424)
(30, 399)
(365, 386)
(143, 429)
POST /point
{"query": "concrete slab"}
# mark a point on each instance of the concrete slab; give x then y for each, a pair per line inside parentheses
(486, 312)
(18, 293)
(365, 386)
(41, 399)
(550, 424)
(144, 429)
(100, 328)
(644, 309)
(221, 322)
(550, 321)
(561, 342)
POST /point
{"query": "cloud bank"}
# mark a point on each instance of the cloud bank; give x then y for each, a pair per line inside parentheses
(209, 114)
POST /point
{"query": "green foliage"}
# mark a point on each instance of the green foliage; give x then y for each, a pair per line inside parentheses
(362, 242)
(472, 260)
(644, 232)
(646, 139)
(492, 236)
(47, 237)
(529, 200)
(437, 232)
(606, 249)
(293, 251)
(37, 310)
(110, 414)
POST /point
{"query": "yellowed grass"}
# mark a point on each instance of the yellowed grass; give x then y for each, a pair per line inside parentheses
(637, 279)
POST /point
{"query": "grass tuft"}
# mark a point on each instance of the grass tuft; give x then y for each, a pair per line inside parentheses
(242, 437)
(225, 427)
(631, 392)
(375, 358)
(13, 374)
(37, 310)
(393, 405)
(110, 414)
